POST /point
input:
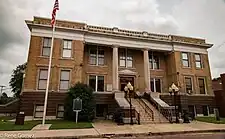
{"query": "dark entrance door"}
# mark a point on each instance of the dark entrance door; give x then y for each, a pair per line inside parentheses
(191, 110)
(124, 81)
(101, 110)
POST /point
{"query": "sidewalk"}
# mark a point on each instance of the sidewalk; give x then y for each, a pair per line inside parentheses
(103, 129)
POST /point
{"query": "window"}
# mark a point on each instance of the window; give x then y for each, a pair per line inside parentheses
(188, 83)
(96, 56)
(185, 60)
(100, 57)
(122, 58)
(67, 49)
(153, 62)
(60, 111)
(205, 110)
(126, 58)
(39, 109)
(46, 47)
(156, 85)
(64, 80)
(42, 81)
(96, 82)
(201, 83)
(198, 62)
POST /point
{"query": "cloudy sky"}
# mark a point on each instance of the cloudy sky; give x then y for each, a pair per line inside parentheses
(196, 18)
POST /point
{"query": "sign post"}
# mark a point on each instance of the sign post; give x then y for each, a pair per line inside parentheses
(77, 106)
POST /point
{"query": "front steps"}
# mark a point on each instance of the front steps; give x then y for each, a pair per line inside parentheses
(146, 114)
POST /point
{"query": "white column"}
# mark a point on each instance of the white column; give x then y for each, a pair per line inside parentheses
(146, 71)
(115, 69)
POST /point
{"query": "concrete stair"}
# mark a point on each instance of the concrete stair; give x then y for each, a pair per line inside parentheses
(158, 117)
(145, 118)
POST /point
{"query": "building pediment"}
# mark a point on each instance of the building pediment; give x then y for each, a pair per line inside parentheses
(127, 72)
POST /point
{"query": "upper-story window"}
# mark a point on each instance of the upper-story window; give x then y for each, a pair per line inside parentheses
(96, 56)
(42, 80)
(67, 49)
(153, 62)
(185, 59)
(198, 61)
(126, 58)
(46, 46)
(64, 80)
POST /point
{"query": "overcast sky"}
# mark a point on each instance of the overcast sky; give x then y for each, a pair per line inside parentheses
(196, 18)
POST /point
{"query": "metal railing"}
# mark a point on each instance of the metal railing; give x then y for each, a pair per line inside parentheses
(137, 116)
(167, 112)
(146, 108)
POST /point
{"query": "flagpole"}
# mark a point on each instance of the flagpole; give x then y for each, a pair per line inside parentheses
(49, 73)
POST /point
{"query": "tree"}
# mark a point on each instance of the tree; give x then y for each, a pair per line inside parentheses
(16, 80)
(85, 93)
(4, 98)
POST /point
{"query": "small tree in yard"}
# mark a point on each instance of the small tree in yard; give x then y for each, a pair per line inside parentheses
(85, 93)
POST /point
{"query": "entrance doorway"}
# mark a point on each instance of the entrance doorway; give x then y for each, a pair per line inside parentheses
(101, 110)
(124, 81)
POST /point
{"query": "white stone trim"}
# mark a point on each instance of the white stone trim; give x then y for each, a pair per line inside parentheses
(58, 34)
(132, 43)
(118, 40)
(191, 49)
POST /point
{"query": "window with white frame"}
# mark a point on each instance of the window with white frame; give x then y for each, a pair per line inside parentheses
(96, 56)
(67, 49)
(185, 59)
(198, 61)
(96, 82)
(188, 84)
(42, 80)
(60, 111)
(153, 61)
(46, 46)
(155, 85)
(38, 111)
(125, 58)
(64, 79)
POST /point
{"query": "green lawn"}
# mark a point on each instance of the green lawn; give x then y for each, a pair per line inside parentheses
(10, 126)
(62, 124)
(211, 120)
(6, 125)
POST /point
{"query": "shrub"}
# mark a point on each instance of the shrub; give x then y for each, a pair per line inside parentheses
(85, 93)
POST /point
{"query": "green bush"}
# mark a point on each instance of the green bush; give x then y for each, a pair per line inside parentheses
(85, 93)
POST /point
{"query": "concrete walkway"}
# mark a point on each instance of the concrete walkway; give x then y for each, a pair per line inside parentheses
(103, 129)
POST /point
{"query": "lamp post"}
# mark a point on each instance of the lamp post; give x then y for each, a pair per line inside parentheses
(128, 89)
(173, 90)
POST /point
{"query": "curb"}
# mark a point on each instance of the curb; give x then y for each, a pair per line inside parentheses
(134, 134)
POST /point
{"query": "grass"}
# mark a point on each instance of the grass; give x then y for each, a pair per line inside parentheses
(211, 120)
(62, 124)
(6, 125)
(10, 126)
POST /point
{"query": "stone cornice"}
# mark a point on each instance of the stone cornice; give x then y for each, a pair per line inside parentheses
(77, 26)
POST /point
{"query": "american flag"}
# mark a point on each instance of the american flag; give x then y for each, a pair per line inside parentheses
(55, 8)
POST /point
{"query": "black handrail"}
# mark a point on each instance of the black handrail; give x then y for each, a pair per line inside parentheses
(146, 108)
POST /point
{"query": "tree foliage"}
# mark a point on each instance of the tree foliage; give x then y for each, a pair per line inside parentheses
(5, 99)
(16, 80)
(85, 93)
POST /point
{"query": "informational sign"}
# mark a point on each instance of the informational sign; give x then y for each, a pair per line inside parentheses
(77, 104)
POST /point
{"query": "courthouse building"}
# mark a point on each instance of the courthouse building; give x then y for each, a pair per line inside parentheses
(106, 59)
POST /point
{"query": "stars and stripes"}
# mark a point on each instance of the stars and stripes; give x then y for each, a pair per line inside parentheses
(55, 8)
